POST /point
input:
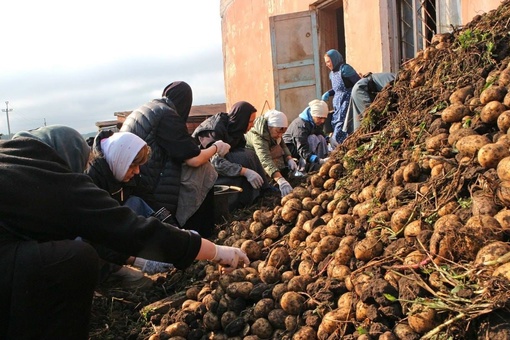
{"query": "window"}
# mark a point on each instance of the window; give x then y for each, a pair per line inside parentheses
(420, 20)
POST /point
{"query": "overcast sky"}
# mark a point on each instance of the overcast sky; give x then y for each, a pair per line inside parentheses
(76, 63)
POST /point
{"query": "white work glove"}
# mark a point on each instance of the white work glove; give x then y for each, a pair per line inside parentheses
(292, 164)
(223, 148)
(230, 258)
(323, 160)
(254, 178)
(285, 187)
(152, 267)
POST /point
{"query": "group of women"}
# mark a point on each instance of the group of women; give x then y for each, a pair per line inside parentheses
(154, 165)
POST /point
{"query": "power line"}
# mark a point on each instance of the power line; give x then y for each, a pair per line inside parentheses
(6, 110)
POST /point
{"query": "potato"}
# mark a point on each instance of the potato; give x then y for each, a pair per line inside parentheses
(503, 169)
(411, 172)
(469, 145)
(335, 171)
(413, 229)
(262, 328)
(305, 333)
(460, 95)
(491, 111)
(343, 254)
(179, 328)
(456, 135)
(454, 113)
(291, 209)
(503, 121)
(252, 249)
(483, 203)
(278, 257)
(422, 319)
(269, 275)
(493, 93)
(239, 289)
(491, 154)
(328, 244)
(299, 283)
(367, 193)
(503, 271)
(292, 303)
(491, 252)
(365, 208)
(437, 142)
(338, 271)
(317, 181)
(367, 249)
(401, 217)
(277, 318)
(263, 307)
(503, 217)
(503, 193)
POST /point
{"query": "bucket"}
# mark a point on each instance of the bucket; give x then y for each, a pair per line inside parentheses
(222, 196)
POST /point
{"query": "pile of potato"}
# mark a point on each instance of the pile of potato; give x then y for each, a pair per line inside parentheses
(353, 255)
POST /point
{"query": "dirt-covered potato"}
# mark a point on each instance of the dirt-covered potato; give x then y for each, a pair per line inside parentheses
(270, 274)
(469, 145)
(422, 319)
(437, 142)
(503, 169)
(401, 217)
(252, 249)
(454, 113)
(367, 249)
(503, 121)
(239, 289)
(458, 134)
(491, 111)
(179, 328)
(493, 93)
(292, 303)
(491, 252)
(278, 257)
(262, 328)
(411, 172)
(491, 154)
(328, 244)
(460, 95)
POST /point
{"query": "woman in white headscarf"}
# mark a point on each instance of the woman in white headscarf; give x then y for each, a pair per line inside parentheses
(115, 167)
(265, 137)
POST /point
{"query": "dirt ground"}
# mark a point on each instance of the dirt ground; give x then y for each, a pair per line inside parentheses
(388, 291)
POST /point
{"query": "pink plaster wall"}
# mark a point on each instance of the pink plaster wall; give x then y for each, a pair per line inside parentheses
(247, 57)
(470, 8)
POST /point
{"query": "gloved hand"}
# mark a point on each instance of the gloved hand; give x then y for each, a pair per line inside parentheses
(325, 96)
(254, 178)
(285, 187)
(323, 160)
(229, 257)
(152, 267)
(223, 148)
(292, 164)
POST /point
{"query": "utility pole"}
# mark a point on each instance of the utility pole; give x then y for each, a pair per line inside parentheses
(7, 113)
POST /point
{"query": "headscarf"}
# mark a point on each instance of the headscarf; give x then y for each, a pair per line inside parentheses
(119, 150)
(239, 118)
(67, 142)
(181, 95)
(318, 108)
(276, 119)
(336, 59)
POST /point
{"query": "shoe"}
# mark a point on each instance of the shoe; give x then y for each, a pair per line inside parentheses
(130, 278)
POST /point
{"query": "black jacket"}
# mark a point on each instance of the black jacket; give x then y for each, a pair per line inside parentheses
(165, 131)
(43, 200)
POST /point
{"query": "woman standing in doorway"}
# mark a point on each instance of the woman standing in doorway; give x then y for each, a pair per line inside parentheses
(343, 77)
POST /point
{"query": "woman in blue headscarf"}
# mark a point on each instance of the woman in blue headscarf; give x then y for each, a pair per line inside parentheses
(343, 77)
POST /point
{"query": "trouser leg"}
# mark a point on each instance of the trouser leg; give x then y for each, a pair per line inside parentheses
(53, 299)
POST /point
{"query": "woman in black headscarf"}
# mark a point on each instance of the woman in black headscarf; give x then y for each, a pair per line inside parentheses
(178, 172)
(240, 167)
(240, 119)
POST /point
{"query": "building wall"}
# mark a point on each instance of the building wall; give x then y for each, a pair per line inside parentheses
(369, 28)
(247, 57)
(470, 8)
